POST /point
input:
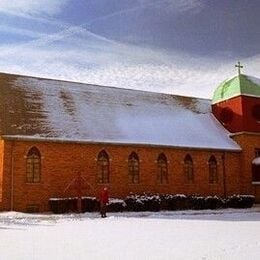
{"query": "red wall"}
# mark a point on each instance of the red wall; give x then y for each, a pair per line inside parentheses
(61, 162)
(242, 109)
(249, 142)
(250, 123)
(1, 169)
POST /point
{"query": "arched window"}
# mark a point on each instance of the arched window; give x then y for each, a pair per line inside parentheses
(162, 164)
(213, 171)
(133, 168)
(256, 170)
(33, 166)
(188, 169)
(103, 167)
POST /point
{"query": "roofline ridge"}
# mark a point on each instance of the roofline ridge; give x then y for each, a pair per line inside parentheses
(104, 86)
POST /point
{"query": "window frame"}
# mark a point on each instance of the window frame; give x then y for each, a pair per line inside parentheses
(213, 170)
(188, 169)
(103, 168)
(162, 169)
(133, 168)
(33, 165)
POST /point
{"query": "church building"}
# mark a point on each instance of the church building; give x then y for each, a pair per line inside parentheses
(127, 140)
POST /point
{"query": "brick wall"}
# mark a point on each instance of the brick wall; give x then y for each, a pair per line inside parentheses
(1, 169)
(62, 161)
(249, 142)
(242, 107)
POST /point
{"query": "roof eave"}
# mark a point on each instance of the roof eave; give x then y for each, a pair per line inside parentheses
(60, 140)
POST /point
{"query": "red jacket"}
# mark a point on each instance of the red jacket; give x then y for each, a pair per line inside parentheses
(104, 196)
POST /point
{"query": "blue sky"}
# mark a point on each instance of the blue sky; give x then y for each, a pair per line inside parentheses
(184, 47)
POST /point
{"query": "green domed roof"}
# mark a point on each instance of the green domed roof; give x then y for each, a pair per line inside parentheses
(236, 86)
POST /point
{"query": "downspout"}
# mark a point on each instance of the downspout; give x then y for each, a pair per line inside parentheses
(12, 179)
(224, 174)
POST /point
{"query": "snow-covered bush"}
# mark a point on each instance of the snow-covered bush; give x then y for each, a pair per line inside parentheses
(144, 202)
(152, 202)
(214, 202)
(59, 205)
(174, 202)
(116, 205)
(197, 202)
(209, 202)
(89, 204)
(239, 201)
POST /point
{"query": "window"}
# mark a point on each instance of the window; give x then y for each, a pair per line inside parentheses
(256, 171)
(33, 166)
(256, 112)
(103, 167)
(213, 173)
(188, 169)
(133, 167)
(257, 152)
(162, 175)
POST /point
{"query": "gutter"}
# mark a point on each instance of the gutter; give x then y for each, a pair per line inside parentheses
(117, 143)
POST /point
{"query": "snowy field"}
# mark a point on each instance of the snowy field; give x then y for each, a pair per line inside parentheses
(213, 234)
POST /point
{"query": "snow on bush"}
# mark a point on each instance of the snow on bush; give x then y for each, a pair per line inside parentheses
(152, 202)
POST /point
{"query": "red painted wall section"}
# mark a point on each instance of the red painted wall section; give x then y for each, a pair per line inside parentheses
(242, 119)
(235, 104)
(1, 169)
(250, 123)
(5, 159)
(62, 161)
(249, 143)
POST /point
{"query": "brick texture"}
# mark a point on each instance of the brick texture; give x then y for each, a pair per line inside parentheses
(61, 162)
(249, 142)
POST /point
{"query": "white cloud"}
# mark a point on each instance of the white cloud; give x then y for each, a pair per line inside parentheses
(32, 7)
(174, 5)
(20, 31)
(79, 55)
(94, 61)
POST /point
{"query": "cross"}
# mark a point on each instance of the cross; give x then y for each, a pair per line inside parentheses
(239, 67)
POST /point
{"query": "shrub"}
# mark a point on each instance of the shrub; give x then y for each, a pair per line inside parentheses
(144, 202)
(89, 204)
(240, 201)
(152, 202)
(133, 203)
(59, 205)
(213, 202)
(116, 205)
(174, 202)
(197, 202)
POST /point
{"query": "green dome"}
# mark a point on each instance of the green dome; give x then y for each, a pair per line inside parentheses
(236, 86)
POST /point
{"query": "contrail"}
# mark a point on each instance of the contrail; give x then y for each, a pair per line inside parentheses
(69, 30)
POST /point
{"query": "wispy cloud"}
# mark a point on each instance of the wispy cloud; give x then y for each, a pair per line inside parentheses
(21, 31)
(176, 5)
(78, 54)
(32, 7)
(105, 63)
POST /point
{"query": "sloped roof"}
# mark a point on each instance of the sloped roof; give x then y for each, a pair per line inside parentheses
(60, 110)
(236, 86)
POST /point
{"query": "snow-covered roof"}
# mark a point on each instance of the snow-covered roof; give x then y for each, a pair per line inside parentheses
(44, 108)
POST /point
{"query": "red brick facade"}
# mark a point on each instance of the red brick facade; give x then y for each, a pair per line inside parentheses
(242, 118)
(60, 163)
(250, 142)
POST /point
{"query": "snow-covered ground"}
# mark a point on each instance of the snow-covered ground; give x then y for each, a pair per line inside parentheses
(213, 234)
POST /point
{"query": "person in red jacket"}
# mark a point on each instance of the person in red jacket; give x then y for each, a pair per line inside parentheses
(103, 202)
